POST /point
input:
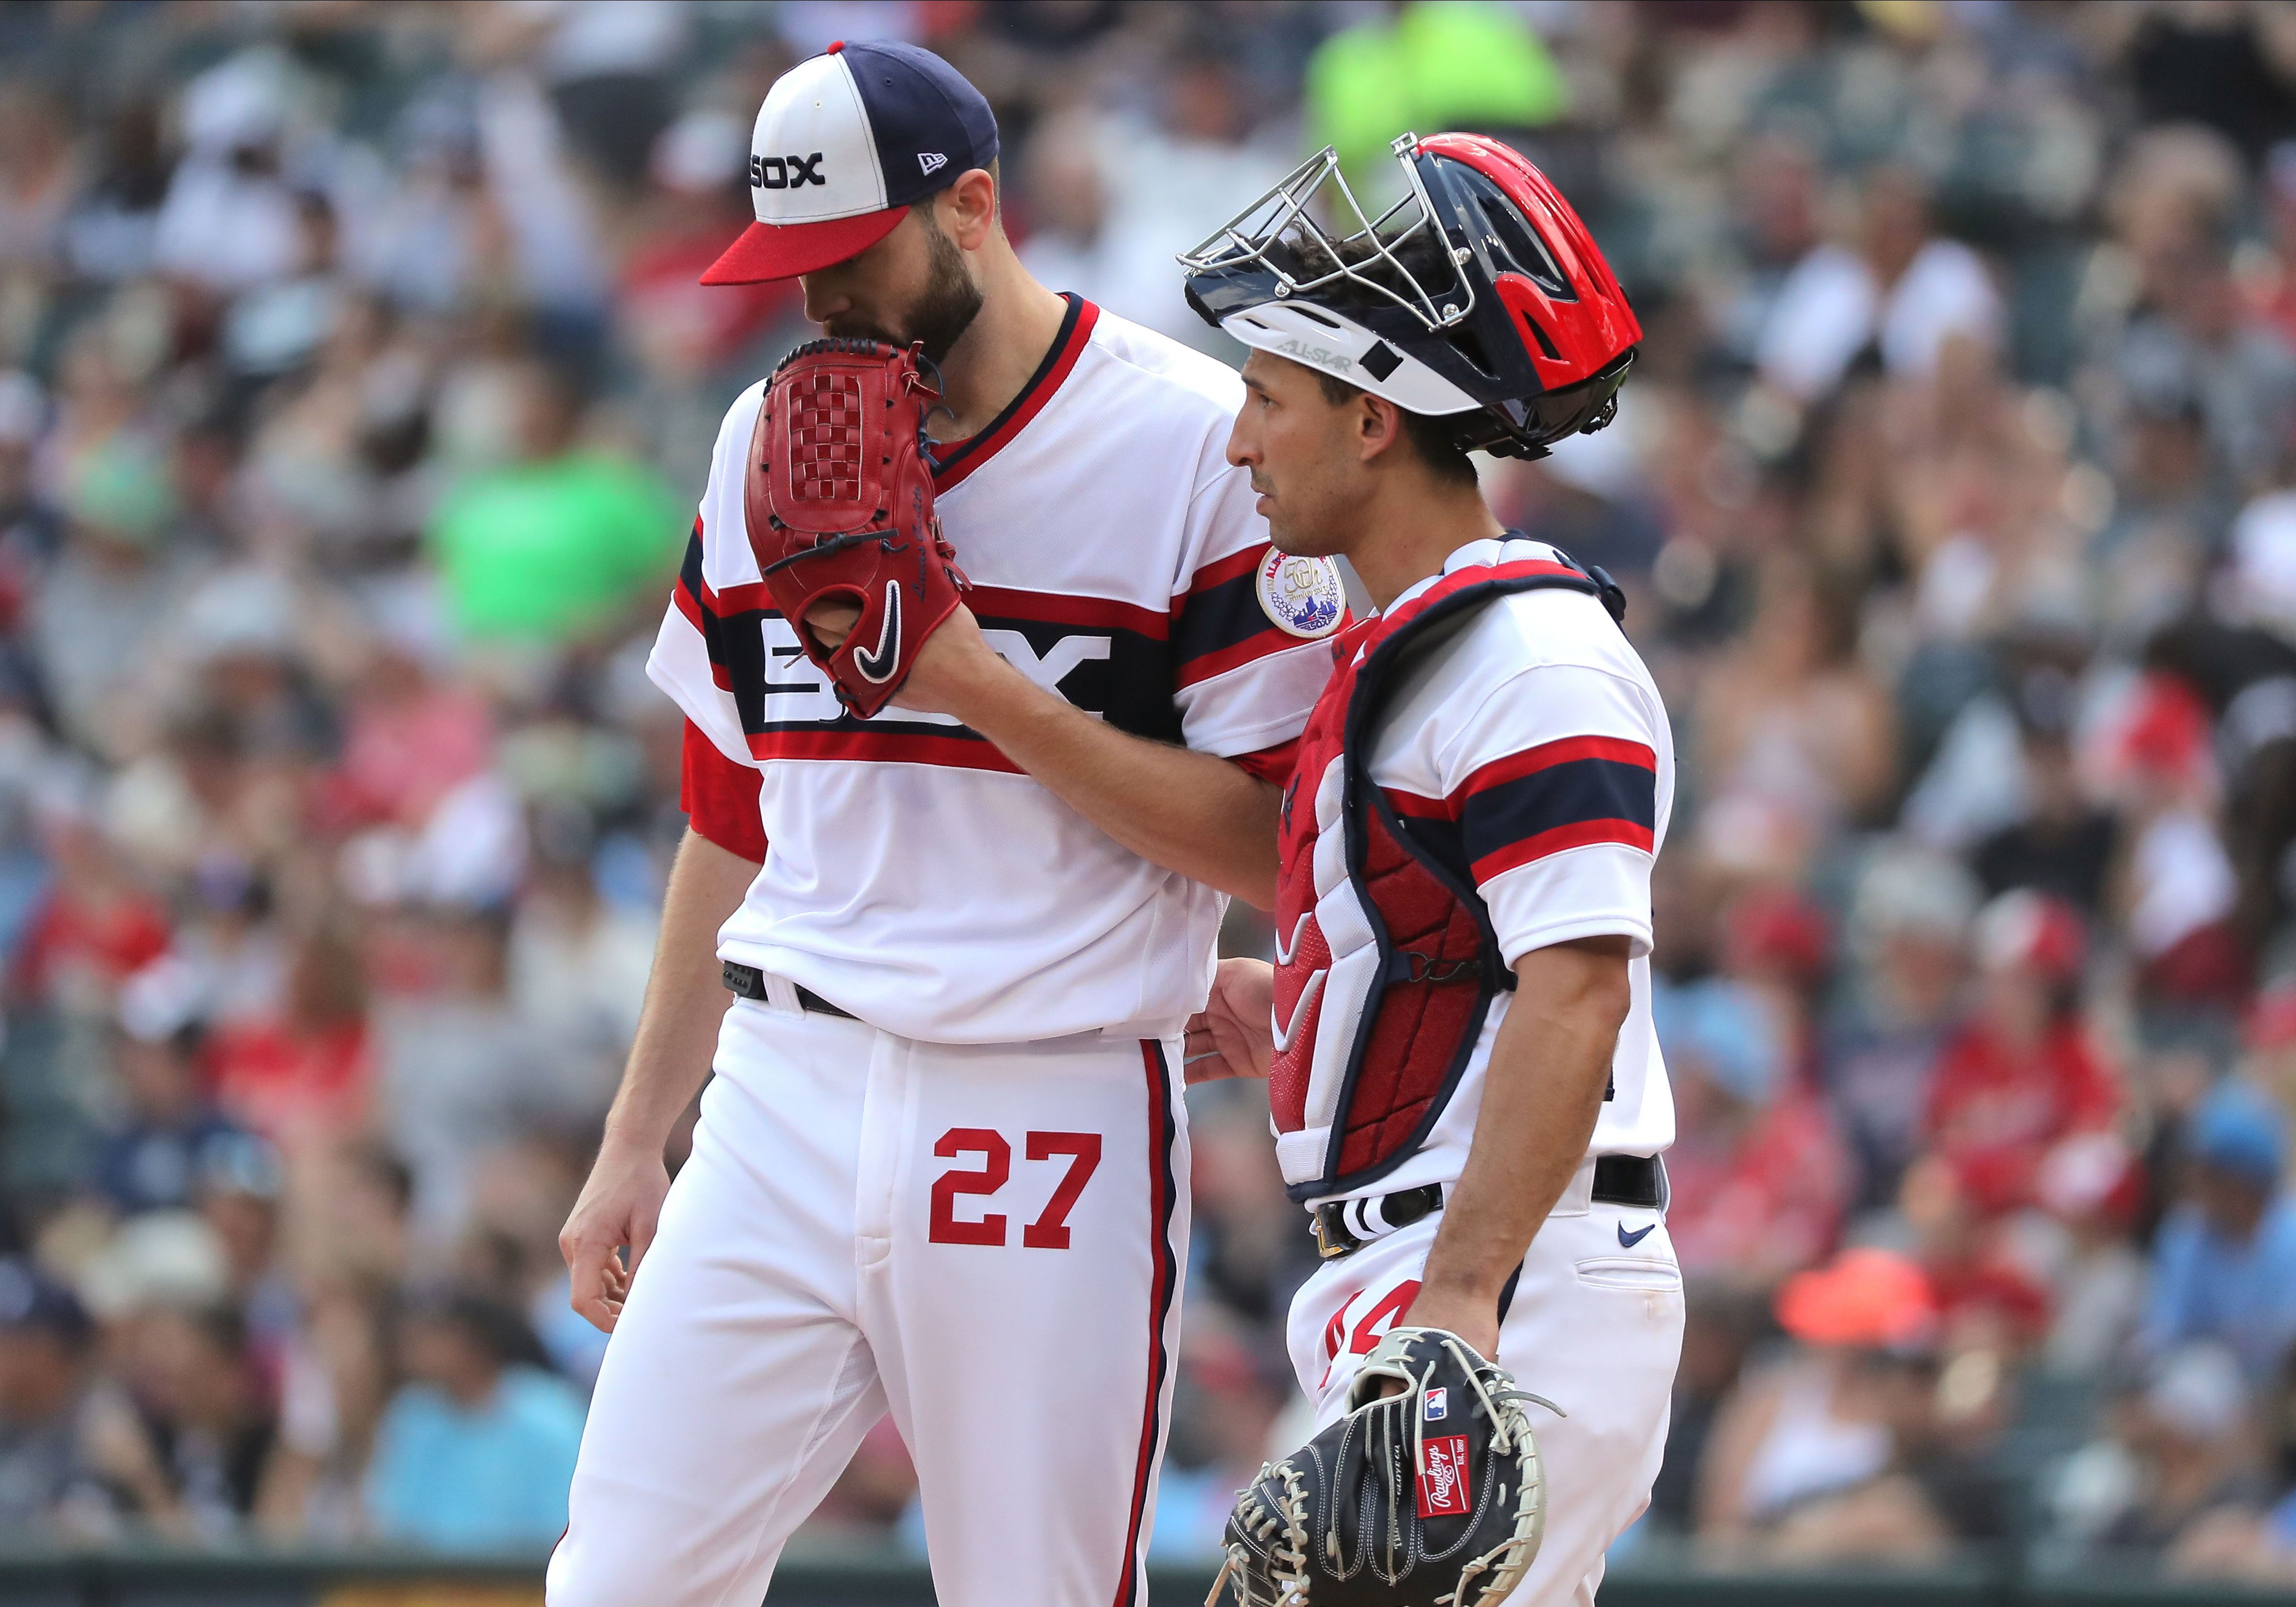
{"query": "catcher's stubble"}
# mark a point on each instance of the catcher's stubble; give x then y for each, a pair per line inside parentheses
(1338, 477)
(1299, 449)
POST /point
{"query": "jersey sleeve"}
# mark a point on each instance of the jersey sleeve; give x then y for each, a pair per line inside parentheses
(1553, 782)
(704, 636)
(720, 797)
(1274, 765)
(1243, 684)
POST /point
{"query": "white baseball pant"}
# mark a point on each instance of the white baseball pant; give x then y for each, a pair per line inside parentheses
(987, 1240)
(1594, 1323)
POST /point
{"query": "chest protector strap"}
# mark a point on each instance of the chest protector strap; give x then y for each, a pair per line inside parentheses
(1440, 962)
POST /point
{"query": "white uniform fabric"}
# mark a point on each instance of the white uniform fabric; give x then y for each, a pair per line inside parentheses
(914, 876)
(834, 1248)
(1531, 752)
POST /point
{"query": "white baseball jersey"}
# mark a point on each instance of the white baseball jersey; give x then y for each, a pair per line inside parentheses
(912, 875)
(1529, 753)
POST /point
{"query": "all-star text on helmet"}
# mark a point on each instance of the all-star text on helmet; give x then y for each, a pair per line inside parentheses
(1480, 296)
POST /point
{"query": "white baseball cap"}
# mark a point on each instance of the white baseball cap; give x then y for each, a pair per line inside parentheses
(843, 145)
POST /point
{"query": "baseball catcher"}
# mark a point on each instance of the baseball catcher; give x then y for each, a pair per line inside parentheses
(841, 509)
(1432, 1493)
(1466, 1092)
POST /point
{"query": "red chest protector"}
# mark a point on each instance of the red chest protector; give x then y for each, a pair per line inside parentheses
(1386, 960)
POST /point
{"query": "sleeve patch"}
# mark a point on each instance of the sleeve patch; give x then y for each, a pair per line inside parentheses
(1227, 617)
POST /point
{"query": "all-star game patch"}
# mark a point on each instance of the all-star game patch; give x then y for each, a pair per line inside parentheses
(1303, 595)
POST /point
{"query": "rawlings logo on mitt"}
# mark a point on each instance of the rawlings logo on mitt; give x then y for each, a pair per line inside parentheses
(1434, 1498)
(838, 501)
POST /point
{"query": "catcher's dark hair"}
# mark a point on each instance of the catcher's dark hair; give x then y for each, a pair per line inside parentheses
(1431, 437)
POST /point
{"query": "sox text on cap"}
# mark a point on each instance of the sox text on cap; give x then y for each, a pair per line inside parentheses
(843, 145)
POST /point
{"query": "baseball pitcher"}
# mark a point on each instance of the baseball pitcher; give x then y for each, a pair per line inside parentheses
(991, 675)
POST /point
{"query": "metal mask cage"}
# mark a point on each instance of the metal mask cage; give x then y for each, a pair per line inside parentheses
(1279, 232)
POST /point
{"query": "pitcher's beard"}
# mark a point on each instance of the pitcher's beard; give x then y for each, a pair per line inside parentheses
(950, 303)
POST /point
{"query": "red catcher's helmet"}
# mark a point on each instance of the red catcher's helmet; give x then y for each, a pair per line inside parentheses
(1480, 294)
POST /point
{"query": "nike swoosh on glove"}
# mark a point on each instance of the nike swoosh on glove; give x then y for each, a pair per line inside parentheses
(838, 501)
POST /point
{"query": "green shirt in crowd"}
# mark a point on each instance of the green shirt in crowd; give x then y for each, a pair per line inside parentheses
(546, 551)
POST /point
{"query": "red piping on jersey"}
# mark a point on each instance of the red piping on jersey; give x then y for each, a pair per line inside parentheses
(964, 457)
(1563, 751)
(692, 611)
(991, 603)
(1163, 1191)
(749, 596)
(885, 748)
(1515, 767)
(1220, 571)
(1264, 644)
(1063, 608)
(1578, 834)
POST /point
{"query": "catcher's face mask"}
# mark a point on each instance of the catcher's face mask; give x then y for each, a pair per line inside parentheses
(1478, 295)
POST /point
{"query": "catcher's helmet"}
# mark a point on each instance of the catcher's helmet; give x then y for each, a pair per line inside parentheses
(1480, 294)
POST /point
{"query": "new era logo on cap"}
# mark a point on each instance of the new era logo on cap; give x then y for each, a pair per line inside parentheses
(830, 159)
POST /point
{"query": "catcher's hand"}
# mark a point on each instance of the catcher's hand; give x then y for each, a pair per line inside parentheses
(1233, 1035)
(1433, 1495)
(840, 507)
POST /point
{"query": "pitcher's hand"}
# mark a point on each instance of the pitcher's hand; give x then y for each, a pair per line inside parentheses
(619, 1207)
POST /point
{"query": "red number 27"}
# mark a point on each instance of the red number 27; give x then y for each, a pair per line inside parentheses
(1049, 1231)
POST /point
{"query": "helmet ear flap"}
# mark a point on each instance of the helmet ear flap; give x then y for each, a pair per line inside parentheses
(1527, 429)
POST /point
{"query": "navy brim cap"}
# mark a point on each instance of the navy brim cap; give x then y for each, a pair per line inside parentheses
(767, 251)
(844, 144)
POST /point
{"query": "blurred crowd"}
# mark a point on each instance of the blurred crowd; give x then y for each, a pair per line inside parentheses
(354, 389)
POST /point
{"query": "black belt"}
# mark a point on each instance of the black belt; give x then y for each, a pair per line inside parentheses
(748, 982)
(1637, 1180)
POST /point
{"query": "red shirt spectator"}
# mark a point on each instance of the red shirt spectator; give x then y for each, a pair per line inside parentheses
(304, 1076)
(1997, 1107)
(1767, 1203)
(1758, 1174)
(2019, 1076)
(95, 930)
(410, 743)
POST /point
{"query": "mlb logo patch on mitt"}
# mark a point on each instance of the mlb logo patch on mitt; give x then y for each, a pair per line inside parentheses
(839, 500)
(1433, 1497)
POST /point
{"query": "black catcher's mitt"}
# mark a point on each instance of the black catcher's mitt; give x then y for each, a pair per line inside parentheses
(1433, 1497)
(839, 504)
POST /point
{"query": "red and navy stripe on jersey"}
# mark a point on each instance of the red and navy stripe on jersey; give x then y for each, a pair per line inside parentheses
(1559, 795)
(1215, 627)
(1218, 623)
